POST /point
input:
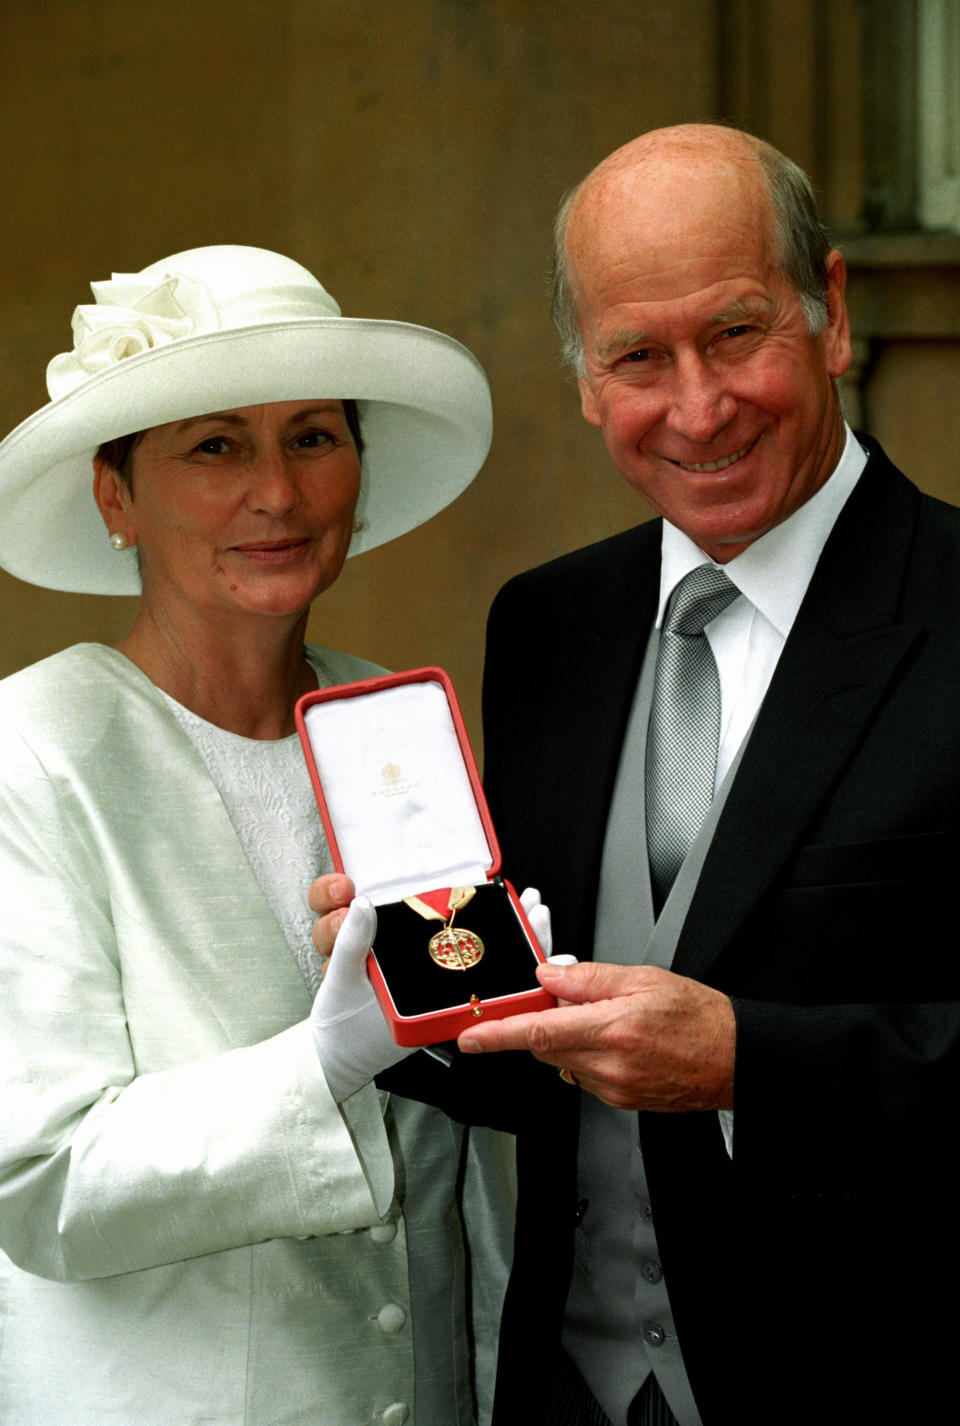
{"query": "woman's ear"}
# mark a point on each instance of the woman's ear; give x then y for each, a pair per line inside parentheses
(112, 495)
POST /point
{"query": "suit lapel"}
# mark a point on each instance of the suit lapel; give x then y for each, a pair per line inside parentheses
(843, 653)
(609, 605)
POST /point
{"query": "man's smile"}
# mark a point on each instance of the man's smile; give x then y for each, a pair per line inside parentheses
(707, 466)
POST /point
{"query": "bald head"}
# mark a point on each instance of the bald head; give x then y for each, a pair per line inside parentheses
(646, 195)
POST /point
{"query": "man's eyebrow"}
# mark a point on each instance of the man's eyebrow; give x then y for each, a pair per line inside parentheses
(742, 309)
(625, 339)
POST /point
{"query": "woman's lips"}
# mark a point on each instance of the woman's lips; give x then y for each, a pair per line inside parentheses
(272, 551)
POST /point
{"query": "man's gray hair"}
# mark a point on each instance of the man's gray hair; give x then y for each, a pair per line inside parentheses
(801, 242)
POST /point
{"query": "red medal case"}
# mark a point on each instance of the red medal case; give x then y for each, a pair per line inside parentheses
(405, 817)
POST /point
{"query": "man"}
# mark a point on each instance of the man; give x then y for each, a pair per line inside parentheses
(783, 952)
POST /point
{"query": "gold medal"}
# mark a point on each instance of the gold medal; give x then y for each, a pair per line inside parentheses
(454, 949)
(451, 949)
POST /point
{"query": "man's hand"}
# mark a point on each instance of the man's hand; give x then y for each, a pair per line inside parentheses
(637, 1037)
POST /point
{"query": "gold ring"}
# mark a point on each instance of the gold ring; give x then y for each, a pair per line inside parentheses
(569, 1077)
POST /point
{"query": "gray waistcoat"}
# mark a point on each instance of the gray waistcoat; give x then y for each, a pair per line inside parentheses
(619, 1324)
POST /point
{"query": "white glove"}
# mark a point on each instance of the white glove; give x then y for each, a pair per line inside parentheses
(539, 917)
(349, 1032)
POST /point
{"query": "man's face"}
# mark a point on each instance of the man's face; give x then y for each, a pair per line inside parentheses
(715, 400)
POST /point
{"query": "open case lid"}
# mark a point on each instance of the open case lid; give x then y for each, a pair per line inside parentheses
(397, 786)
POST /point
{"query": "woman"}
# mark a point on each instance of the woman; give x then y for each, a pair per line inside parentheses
(196, 1229)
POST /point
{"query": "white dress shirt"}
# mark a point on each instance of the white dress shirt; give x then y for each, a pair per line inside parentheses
(772, 575)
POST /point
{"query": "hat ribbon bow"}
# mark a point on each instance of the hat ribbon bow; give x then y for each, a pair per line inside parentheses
(130, 316)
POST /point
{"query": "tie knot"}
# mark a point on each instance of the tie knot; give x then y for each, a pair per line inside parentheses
(699, 597)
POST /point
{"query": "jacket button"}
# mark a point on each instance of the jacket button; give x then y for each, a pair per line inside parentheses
(653, 1272)
(384, 1233)
(396, 1414)
(653, 1334)
(391, 1317)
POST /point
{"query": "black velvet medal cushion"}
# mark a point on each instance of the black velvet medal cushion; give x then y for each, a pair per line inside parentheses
(419, 986)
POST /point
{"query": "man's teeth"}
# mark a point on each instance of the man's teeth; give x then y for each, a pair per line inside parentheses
(709, 465)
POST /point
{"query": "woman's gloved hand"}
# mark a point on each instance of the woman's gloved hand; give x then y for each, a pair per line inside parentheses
(350, 1035)
(539, 917)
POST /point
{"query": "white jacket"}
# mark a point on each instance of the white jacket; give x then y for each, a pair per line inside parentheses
(196, 1232)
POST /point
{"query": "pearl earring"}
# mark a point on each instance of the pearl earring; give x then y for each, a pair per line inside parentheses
(118, 540)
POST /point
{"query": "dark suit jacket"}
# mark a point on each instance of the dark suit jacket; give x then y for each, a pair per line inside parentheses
(826, 910)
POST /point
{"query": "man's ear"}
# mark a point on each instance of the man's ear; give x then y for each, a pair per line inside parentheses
(587, 403)
(837, 331)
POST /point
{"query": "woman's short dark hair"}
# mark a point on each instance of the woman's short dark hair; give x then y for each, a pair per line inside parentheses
(118, 453)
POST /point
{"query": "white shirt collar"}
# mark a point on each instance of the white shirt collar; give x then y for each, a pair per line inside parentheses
(774, 571)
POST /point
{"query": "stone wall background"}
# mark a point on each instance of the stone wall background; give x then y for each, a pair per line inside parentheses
(411, 153)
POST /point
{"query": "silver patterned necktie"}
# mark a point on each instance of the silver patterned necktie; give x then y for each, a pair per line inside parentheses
(684, 729)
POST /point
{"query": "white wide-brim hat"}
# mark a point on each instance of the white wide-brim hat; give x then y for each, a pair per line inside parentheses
(213, 329)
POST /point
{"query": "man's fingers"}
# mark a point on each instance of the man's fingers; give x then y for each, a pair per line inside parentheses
(585, 981)
(544, 1033)
(548, 1033)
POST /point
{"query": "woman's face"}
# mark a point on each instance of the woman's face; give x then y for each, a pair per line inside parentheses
(249, 509)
